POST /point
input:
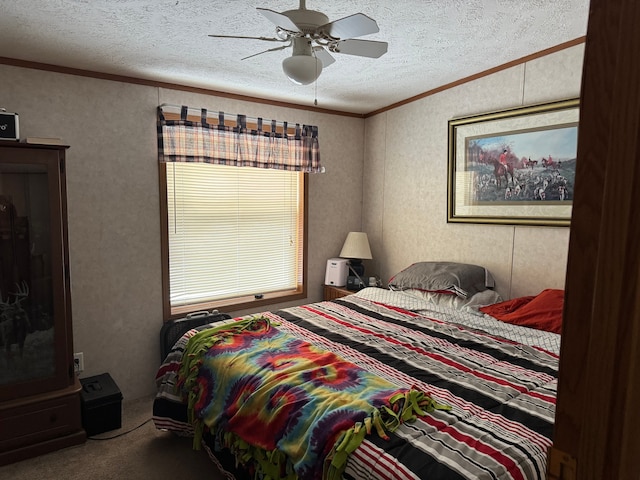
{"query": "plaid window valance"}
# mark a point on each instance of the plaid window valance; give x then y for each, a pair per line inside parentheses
(236, 140)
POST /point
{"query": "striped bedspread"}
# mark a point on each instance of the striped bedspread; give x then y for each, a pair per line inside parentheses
(502, 392)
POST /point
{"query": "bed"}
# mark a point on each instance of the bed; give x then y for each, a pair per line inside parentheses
(450, 392)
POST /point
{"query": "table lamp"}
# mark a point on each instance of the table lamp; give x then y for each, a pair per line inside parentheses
(356, 248)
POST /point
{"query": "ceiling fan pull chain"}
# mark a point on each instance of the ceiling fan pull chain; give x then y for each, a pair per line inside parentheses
(315, 83)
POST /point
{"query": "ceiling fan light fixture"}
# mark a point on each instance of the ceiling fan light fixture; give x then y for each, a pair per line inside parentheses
(313, 36)
(302, 69)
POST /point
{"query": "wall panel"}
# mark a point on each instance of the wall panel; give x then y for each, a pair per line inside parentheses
(414, 210)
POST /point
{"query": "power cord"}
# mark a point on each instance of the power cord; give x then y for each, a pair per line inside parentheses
(121, 434)
(362, 284)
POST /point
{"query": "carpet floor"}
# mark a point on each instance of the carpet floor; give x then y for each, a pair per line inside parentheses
(142, 453)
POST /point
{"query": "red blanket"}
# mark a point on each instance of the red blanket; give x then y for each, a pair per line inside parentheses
(542, 311)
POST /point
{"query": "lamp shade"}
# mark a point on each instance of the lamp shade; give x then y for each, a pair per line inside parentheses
(356, 246)
(302, 69)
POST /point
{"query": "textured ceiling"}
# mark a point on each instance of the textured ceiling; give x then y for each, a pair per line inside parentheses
(431, 43)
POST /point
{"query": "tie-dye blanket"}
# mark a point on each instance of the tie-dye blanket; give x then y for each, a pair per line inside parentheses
(295, 408)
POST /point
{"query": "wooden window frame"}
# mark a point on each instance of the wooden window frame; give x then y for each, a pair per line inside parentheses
(231, 304)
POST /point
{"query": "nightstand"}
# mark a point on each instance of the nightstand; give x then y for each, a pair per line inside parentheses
(331, 292)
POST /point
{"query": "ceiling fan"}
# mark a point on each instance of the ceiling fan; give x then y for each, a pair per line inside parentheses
(312, 37)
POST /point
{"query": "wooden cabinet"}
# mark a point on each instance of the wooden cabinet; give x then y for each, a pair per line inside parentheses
(39, 391)
(331, 292)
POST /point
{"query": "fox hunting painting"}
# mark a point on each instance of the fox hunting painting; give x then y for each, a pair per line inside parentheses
(515, 166)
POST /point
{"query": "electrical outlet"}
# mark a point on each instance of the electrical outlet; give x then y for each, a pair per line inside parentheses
(78, 362)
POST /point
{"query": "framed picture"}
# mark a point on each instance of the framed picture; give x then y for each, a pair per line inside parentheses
(514, 167)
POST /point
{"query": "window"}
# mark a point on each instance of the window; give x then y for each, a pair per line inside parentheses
(233, 209)
(233, 237)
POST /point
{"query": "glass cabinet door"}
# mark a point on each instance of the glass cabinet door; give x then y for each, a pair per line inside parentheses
(34, 332)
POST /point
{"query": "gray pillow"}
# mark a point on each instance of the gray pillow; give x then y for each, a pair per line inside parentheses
(461, 279)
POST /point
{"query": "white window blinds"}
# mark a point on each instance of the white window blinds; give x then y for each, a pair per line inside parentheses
(233, 231)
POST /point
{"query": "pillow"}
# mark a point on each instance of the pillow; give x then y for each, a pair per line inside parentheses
(542, 311)
(461, 279)
(470, 305)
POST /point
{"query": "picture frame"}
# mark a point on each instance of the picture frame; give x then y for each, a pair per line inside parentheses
(514, 167)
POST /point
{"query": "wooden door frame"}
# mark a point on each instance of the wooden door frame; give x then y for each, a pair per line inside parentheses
(598, 412)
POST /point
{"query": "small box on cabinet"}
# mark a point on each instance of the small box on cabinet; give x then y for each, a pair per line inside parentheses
(101, 404)
(9, 126)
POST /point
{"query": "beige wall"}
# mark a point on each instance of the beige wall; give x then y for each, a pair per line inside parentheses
(113, 202)
(113, 195)
(405, 181)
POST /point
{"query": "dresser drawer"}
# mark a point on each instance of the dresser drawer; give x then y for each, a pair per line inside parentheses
(39, 421)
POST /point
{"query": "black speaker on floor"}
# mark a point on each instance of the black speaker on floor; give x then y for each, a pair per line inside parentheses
(101, 404)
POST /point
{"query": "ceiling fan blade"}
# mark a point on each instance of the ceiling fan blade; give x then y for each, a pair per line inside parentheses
(362, 48)
(268, 39)
(325, 57)
(279, 19)
(265, 51)
(354, 25)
